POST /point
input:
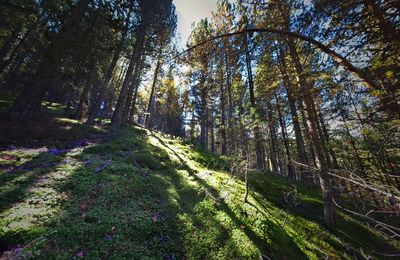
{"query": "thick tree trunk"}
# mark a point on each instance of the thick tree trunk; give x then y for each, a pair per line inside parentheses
(84, 101)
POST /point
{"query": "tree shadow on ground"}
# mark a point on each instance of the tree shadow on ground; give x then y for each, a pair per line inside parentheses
(127, 197)
(273, 235)
(24, 173)
(349, 235)
(125, 210)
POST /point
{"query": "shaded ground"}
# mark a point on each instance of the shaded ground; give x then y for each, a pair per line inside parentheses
(87, 193)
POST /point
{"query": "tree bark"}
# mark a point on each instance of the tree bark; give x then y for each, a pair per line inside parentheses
(320, 157)
(131, 103)
(153, 89)
(291, 170)
(388, 30)
(260, 152)
(230, 105)
(272, 139)
(135, 58)
(29, 102)
(223, 113)
(83, 101)
(301, 152)
(94, 108)
(203, 113)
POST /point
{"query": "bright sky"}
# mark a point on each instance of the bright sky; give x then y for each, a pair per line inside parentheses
(189, 11)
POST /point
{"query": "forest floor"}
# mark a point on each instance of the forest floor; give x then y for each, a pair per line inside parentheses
(71, 191)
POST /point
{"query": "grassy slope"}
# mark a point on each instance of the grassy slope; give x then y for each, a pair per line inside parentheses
(157, 198)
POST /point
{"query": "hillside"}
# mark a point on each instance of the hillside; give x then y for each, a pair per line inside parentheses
(88, 193)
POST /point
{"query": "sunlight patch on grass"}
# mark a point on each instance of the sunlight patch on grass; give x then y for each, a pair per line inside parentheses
(42, 200)
(159, 198)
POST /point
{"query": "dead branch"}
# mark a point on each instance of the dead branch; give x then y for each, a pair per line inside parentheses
(394, 230)
(355, 179)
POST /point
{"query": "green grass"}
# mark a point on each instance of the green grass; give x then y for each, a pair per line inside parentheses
(159, 198)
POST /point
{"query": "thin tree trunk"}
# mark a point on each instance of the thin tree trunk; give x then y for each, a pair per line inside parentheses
(320, 158)
(153, 89)
(223, 113)
(203, 113)
(260, 152)
(301, 152)
(246, 181)
(29, 102)
(129, 113)
(212, 131)
(135, 59)
(230, 104)
(94, 108)
(291, 170)
(272, 138)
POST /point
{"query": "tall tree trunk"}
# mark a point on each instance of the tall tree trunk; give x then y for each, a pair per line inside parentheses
(272, 137)
(231, 131)
(212, 130)
(260, 152)
(203, 112)
(301, 102)
(29, 102)
(324, 135)
(84, 101)
(153, 89)
(135, 59)
(320, 157)
(95, 106)
(223, 113)
(129, 113)
(301, 152)
(291, 170)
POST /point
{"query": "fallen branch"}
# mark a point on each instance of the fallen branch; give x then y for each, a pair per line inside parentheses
(355, 179)
(140, 168)
(105, 165)
(394, 230)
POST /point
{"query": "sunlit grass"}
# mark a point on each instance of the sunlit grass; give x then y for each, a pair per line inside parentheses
(158, 197)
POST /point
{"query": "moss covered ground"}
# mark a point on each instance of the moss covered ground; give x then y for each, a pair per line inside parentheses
(86, 192)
